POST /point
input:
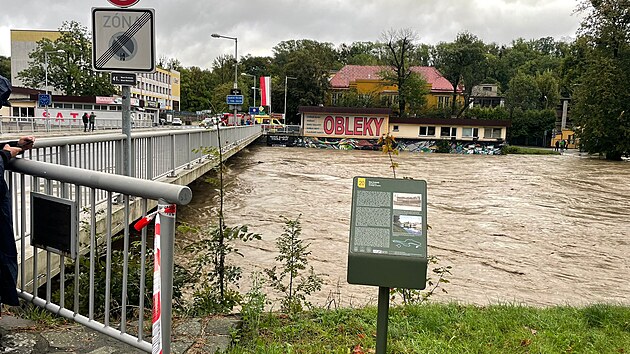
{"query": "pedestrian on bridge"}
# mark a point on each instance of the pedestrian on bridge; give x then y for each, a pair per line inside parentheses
(8, 251)
(85, 122)
(92, 119)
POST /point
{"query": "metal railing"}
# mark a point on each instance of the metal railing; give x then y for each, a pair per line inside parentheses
(138, 197)
(284, 129)
(86, 169)
(34, 125)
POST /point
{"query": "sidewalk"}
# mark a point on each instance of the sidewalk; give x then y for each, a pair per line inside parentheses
(191, 336)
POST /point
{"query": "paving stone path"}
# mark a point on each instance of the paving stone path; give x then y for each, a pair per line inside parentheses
(190, 336)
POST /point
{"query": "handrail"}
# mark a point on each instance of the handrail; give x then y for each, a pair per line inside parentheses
(172, 193)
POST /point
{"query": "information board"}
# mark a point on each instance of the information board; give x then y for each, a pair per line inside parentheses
(388, 232)
(54, 224)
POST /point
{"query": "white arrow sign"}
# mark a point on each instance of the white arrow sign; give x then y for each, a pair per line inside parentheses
(123, 39)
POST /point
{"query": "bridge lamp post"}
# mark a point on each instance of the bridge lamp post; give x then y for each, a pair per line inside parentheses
(214, 35)
(286, 80)
(59, 51)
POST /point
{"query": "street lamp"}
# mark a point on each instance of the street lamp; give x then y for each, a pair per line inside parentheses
(59, 51)
(253, 88)
(214, 35)
(286, 79)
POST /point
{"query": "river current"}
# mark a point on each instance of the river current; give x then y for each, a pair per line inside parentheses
(536, 230)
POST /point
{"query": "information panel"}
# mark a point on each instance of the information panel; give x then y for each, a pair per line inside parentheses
(54, 224)
(388, 232)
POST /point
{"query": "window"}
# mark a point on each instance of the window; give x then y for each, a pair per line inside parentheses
(67, 105)
(57, 105)
(470, 132)
(443, 101)
(487, 88)
(23, 112)
(448, 132)
(492, 133)
(427, 131)
(395, 129)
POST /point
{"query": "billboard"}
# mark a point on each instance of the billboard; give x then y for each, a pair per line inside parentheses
(358, 126)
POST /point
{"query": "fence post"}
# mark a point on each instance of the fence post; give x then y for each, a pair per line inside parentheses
(167, 245)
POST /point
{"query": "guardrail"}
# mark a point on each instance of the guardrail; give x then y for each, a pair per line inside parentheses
(281, 129)
(86, 169)
(71, 183)
(34, 124)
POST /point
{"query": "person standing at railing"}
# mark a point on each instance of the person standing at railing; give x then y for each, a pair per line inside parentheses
(8, 251)
(92, 118)
(85, 121)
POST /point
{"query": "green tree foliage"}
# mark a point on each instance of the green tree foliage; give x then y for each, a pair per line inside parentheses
(309, 62)
(70, 71)
(548, 87)
(5, 67)
(463, 64)
(523, 93)
(196, 89)
(601, 98)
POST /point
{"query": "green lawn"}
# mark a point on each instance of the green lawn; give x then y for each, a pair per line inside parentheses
(448, 328)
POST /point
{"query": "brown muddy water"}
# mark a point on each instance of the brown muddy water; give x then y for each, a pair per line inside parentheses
(535, 230)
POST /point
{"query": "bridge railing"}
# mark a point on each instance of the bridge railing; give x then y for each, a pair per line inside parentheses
(95, 304)
(38, 124)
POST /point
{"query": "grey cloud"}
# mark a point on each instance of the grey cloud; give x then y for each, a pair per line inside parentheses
(184, 26)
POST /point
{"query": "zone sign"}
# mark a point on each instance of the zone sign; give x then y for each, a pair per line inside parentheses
(123, 3)
(123, 40)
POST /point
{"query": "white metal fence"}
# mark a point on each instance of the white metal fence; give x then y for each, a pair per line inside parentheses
(85, 170)
(10, 125)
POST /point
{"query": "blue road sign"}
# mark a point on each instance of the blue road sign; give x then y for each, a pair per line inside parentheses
(44, 99)
(254, 111)
(235, 99)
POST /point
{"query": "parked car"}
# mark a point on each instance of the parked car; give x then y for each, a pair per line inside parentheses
(177, 121)
(209, 122)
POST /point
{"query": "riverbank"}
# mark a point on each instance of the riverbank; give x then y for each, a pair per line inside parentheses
(435, 328)
(446, 328)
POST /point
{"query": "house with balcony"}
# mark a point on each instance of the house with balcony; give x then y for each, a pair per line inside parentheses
(367, 80)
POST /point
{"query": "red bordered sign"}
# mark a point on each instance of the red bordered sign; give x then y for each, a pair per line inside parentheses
(123, 3)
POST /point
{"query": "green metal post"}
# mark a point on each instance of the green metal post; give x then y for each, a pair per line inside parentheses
(382, 319)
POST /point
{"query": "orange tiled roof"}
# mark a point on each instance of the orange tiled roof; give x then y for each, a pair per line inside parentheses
(351, 73)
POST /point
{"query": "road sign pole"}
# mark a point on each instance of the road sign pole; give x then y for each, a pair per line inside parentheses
(126, 128)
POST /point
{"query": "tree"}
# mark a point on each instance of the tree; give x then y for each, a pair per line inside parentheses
(196, 89)
(549, 90)
(5, 67)
(463, 63)
(523, 93)
(400, 46)
(70, 71)
(601, 98)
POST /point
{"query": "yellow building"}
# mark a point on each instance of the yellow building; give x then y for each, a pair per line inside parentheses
(23, 42)
(457, 129)
(367, 80)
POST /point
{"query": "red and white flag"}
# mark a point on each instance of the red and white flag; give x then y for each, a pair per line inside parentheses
(265, 91)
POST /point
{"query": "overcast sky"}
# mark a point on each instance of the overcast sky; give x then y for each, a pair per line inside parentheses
(183, 27)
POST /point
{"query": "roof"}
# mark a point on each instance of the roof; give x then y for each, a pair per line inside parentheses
(344, 110)
(352, 73)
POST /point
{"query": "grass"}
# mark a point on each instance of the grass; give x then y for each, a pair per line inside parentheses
(450, 328)
(518, 150)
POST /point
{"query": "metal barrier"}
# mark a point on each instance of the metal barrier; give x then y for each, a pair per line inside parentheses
(284, 129)
(86, 169)
(73, 183)
(34, 125)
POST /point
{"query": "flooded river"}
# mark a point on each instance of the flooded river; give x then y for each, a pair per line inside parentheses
(538, 230)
